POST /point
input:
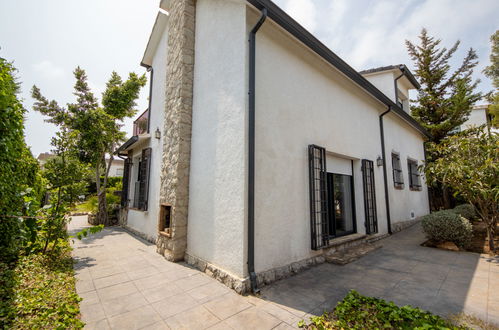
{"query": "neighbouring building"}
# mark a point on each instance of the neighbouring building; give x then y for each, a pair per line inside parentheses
(256, 159)
(116, 169)
(480, 115)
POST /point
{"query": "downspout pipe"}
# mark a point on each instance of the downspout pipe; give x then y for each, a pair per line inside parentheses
(385, 178)
(151, 76)
(251, 152)
(402, 69)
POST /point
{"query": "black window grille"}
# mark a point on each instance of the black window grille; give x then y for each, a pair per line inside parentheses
(369, 196)
(398, 177)
(126, 182)
(414, 176)
(144, 169)
(318, 197)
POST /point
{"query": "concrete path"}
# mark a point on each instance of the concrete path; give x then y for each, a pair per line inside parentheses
(125, 284)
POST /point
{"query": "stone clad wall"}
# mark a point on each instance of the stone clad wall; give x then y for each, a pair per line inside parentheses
(177, 128)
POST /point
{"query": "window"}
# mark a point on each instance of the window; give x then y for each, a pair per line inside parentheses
(126, 182)
(414, 176)
(141, 189)
(119, 172)
(398, 177)
(341, 204)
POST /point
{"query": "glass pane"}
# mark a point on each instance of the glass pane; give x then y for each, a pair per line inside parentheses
(342, 204)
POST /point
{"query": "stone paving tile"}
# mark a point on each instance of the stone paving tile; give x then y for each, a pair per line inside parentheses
(161, 292)
(123, 304)
(196, 318)
(253, 318)
(136, 319)
(175, 304)
(227, 305)
(116, 291)
(104, 282)
(126, 285)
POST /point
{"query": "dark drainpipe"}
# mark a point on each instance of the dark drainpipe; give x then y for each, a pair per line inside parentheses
(382, 133)
(251, 153)
(396, 86)
(151, 76)
(385, 178)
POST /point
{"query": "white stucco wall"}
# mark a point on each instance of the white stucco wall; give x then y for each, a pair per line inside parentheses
(147, 221)
(384, 81)
(217, 183)
(401, 139)
(301, 100)
(477, 117)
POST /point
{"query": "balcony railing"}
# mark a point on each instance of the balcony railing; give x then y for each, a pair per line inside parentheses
(141, 124)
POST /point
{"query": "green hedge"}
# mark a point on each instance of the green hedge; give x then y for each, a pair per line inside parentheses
(359, 312)
(447, 226)
(467, 211)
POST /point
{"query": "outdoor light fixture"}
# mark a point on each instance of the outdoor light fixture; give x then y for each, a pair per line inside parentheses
(379, 161)
(157, 134)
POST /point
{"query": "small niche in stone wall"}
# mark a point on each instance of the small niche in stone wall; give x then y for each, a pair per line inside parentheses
(164, 219)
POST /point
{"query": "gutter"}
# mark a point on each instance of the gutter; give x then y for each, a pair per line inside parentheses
(385, 178)
(251, 152)
(151, 70)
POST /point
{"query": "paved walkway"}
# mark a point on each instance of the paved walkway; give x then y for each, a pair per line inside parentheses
(125, 284)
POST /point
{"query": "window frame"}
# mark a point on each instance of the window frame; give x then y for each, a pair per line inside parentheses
(412, 164)
(397, 172)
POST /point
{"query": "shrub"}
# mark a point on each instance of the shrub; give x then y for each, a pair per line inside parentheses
(359, 312)
(447, 226)
(466, 211)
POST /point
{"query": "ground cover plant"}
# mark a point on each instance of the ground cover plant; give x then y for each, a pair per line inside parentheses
(359, 312)
(39, 292)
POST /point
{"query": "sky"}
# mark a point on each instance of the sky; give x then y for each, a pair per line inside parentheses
(47, 39)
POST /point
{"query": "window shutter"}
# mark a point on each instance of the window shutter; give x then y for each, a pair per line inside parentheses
(318, 197)
(369, 196)
(126, 182)
(145, 167)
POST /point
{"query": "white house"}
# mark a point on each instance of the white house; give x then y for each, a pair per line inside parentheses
(479, 116)
(260, 157)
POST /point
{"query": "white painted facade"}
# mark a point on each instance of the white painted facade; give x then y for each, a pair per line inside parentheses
(146, 222)
(478, 117)
(300, 100)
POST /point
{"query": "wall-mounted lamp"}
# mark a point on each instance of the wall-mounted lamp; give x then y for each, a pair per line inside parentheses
(157, 134)
(379, 161)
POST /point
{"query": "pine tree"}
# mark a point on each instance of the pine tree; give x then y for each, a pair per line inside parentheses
(492, 71)
(446, 97)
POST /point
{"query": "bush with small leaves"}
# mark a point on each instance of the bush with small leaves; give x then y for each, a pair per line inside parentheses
(447, 226)
(466, 211)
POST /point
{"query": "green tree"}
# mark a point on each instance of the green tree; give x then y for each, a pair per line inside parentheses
(492, 71)
(469, 163)
(18, 167)
(98, 127)
(446, 97)
(65, 175)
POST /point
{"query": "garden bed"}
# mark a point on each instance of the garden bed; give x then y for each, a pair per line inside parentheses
(479, 242)
(360, 312)
(38, 292)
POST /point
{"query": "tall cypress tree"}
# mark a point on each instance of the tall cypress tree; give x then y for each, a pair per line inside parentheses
(446, 97)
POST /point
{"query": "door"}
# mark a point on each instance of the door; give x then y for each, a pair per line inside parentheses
(341, 204)
(369, 196)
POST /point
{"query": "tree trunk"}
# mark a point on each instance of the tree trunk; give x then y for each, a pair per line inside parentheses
(102, 216)
(491, 233)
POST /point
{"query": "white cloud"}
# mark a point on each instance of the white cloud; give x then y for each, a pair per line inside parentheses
(48, 69)
(304, 12)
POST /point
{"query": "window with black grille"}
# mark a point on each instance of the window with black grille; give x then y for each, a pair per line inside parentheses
(319, 213)
(125, 182)
(414, 176)
(398, 177)
(144, 169)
